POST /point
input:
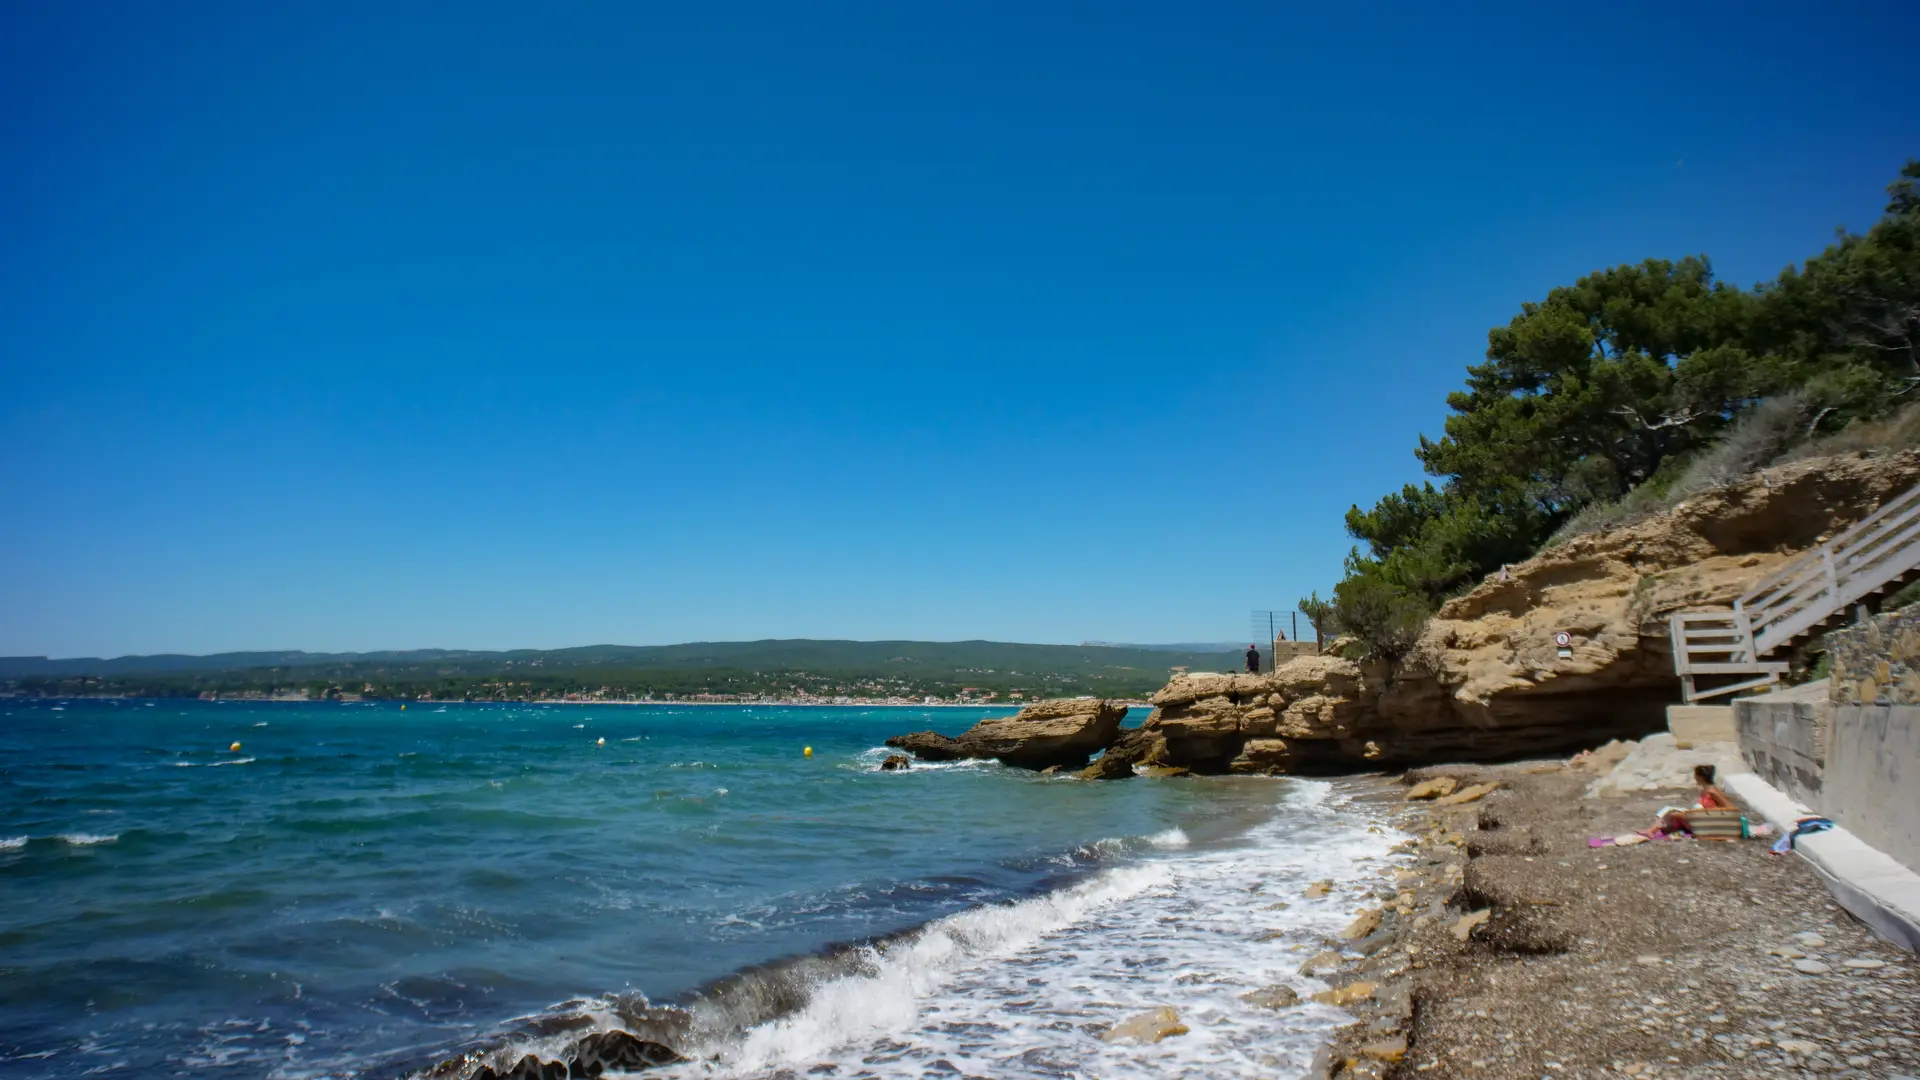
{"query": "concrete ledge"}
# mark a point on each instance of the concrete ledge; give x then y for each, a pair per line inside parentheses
(1868, 883)
(1701, 723)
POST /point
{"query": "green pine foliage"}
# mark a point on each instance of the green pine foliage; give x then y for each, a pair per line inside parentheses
(1629, 389)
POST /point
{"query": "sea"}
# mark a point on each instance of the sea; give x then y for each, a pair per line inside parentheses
(362, 890)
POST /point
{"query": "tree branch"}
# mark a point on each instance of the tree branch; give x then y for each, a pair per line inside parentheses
(1679, 420)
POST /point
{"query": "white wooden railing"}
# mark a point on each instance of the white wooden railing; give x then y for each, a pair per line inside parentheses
(1878, 551)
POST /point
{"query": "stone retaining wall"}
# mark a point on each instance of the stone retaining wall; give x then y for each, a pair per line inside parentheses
(1877, 662)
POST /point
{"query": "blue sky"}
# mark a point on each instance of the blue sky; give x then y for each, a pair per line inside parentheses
(355, 325)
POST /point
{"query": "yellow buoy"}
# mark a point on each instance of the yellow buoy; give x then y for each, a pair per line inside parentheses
(602, 742)
(403, 708)
(235, 748)
(807, 752)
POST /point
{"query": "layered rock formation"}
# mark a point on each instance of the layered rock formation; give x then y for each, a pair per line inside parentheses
(1044, 734)
(1486, 680)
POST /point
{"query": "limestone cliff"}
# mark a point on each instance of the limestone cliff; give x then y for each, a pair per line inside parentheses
(1485, 679)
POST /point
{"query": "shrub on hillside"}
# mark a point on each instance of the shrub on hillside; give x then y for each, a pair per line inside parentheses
(1384, 618)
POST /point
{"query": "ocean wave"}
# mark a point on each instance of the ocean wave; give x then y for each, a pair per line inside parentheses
(871, 760)
(13, 843)
(1114, 847)
(211, 764)
(1171, 839)
(1025, 988)
(81, 839)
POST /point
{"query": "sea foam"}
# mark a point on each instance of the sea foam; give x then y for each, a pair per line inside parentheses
(1025, 989)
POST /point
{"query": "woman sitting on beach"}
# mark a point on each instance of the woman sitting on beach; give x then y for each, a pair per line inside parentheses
(1673, 820)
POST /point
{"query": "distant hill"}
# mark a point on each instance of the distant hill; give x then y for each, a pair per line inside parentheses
(777, 666)
(1194, 648)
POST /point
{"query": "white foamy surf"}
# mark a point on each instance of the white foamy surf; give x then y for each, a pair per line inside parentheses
(871, 760)
(1026, 989)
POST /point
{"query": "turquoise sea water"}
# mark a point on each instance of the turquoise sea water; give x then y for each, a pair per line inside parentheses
(364, 891)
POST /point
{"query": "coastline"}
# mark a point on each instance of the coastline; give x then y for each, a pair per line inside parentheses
(1131, 704)
(1170, 954)
(1512, 948)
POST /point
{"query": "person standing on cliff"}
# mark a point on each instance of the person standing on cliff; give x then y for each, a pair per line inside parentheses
(1253, 660)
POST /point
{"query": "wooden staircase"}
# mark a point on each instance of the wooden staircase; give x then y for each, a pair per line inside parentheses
(1820, 591)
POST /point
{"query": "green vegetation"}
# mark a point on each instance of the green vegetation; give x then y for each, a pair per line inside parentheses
(1619, 395)
(980, 671)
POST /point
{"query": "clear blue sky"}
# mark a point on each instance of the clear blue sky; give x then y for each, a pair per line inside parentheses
(388, 325)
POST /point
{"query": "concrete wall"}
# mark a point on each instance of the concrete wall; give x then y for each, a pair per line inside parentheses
(1284, 651)
(1701, 723)
(1857, 764)
(1785, 741)
(1872, 782)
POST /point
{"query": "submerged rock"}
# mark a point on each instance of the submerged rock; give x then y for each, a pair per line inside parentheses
(896, 762)
(1272, 997)
(1134, 746)
(1064, 733)
(1149, 1027)
(619, 1051)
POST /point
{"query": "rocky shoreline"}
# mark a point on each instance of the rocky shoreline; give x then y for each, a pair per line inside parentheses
(1505, 946)
(1487, 679)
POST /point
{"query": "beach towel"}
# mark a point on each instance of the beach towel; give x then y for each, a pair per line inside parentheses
(1803, 827)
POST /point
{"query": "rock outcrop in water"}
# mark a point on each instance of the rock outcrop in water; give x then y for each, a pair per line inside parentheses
(1485, 680)
(1043, 734)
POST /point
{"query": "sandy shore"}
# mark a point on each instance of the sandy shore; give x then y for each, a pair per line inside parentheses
(1506, 947)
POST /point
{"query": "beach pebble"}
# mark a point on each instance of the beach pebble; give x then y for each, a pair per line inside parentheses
(1363, 924)
(1348, 994)
(1463, 929)
(1272, 997)
(1148, 1027)
(1810, 940)
(1810, 967)
(1798, 1046)
(1467, 795)
(1861, 963)
(1321, 962)
(1647, 961)
(1386, 1049)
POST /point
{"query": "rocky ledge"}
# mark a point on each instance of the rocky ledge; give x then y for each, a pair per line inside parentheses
(1043, 735)
(1486, 680)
